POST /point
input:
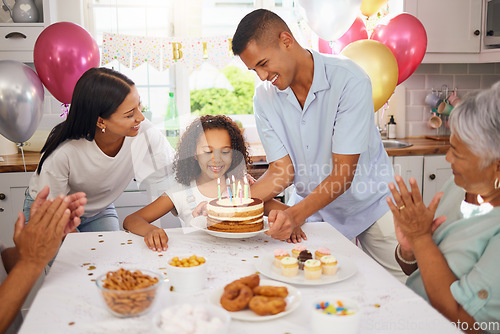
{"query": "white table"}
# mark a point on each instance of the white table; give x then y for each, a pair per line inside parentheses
(69, 301)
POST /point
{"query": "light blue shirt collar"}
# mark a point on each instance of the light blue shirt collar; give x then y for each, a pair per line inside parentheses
(320, 82)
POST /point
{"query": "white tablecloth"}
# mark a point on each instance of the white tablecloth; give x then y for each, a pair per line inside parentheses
(69, 301)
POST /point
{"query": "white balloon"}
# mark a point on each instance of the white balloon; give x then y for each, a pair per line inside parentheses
(330, 19)
(21, 101)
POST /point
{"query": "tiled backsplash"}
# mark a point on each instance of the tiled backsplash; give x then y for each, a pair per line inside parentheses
(465, 77)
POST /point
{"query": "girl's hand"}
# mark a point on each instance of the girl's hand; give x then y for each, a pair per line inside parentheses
(251, 179)
(200, 210)
(156, 240)
(297, 236)
(411, 217)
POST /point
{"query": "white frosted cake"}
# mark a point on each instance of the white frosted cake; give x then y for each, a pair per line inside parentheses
(235, 216)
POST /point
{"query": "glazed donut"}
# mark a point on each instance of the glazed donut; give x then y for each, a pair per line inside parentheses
(236, 296)
(251, 281)
(271, 291)
(263, 305)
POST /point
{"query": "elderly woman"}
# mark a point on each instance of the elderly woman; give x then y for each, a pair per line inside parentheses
(454, 264)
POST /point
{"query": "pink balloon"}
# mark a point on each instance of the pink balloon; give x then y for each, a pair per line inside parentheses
(405, 36)
(356, 32)
(62, 53)
(324, 46)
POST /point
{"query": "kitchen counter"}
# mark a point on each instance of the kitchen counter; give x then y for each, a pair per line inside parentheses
(14, 162)
(421, 146)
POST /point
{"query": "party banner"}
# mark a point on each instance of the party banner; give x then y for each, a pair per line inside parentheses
(161, 53)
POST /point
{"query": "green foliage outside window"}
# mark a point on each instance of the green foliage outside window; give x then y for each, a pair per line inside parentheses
(218, 101)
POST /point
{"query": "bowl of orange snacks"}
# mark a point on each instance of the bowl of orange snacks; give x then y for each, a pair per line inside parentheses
(187, 273)
(128, 293)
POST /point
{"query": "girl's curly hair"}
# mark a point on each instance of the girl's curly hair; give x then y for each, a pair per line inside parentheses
(186, 167)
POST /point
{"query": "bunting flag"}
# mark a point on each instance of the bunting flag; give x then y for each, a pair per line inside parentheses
(161, 53)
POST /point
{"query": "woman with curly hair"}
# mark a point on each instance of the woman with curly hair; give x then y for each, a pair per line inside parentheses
(211, 150)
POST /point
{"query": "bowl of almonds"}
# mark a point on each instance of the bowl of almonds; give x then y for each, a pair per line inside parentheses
(128, 293)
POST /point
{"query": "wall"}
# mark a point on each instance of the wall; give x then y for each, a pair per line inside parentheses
(465, 77)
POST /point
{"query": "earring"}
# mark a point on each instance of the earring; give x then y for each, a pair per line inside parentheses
(497, 183)
(103, 130)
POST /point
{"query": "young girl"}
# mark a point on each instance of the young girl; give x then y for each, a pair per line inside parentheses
(211, 148)
(100, 147)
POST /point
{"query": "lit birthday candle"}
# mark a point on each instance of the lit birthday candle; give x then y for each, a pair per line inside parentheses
(218, 188)
(238, 191)
(229, 189)
(234, 187)
(245, 187)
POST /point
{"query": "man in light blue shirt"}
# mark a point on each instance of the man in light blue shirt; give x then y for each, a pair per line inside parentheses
(315, 118)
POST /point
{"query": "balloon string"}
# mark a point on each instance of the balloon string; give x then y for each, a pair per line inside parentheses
(64, 109)
(22, 153)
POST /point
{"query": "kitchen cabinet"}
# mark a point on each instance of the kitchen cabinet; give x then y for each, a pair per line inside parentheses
(430, 171)
(12, 188)
(452, 26)
(436, 172)
(17, 40)
(454, 30)
(409, 166)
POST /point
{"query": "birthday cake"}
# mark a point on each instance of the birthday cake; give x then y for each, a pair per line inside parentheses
(235, 215)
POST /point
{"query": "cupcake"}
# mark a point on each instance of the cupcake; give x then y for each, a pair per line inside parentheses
(329, 264)
(303, 257)
(289, 266)
(312, 269)
(279, 254)
(320, 252)
(297, 249)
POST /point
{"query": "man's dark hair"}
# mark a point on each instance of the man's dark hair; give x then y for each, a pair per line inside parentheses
(261, 25)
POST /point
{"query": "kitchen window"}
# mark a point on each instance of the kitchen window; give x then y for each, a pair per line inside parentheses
(197, 91)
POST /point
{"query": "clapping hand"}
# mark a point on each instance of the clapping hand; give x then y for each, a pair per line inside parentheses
(39, 240)
(76, 203)
(412, 218)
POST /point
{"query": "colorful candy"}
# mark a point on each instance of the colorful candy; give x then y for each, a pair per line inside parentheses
(337, 308)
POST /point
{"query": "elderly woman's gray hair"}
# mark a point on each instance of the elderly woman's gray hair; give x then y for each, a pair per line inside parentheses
(476, 120)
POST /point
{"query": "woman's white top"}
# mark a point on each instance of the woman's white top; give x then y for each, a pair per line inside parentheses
(80, 165)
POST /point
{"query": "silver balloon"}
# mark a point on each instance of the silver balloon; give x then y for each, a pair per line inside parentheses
(330, 19)
(21, 101)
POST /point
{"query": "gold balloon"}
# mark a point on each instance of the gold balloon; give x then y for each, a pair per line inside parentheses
(379, 63)
(370, 7)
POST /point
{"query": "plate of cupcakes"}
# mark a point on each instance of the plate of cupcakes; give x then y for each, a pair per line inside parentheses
(303, 267)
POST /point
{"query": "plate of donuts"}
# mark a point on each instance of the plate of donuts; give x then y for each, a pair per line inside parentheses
(292, 302)
(200, 223)
(345, 269)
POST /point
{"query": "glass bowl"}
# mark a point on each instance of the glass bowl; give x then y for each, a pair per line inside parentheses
(129, 303)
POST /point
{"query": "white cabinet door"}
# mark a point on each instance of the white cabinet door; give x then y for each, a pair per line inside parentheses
(451, 25)
(12, 188)
(409, 166)
(436, 172)
(17, 40)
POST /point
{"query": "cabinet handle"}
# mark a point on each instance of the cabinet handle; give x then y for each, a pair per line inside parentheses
(432, 176)
(15, 34)
(2, 196)
(477, 33)
(1, 209)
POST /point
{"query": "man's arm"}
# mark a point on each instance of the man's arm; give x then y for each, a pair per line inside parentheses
(277, 178)
(37, 243)
(334, 185)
